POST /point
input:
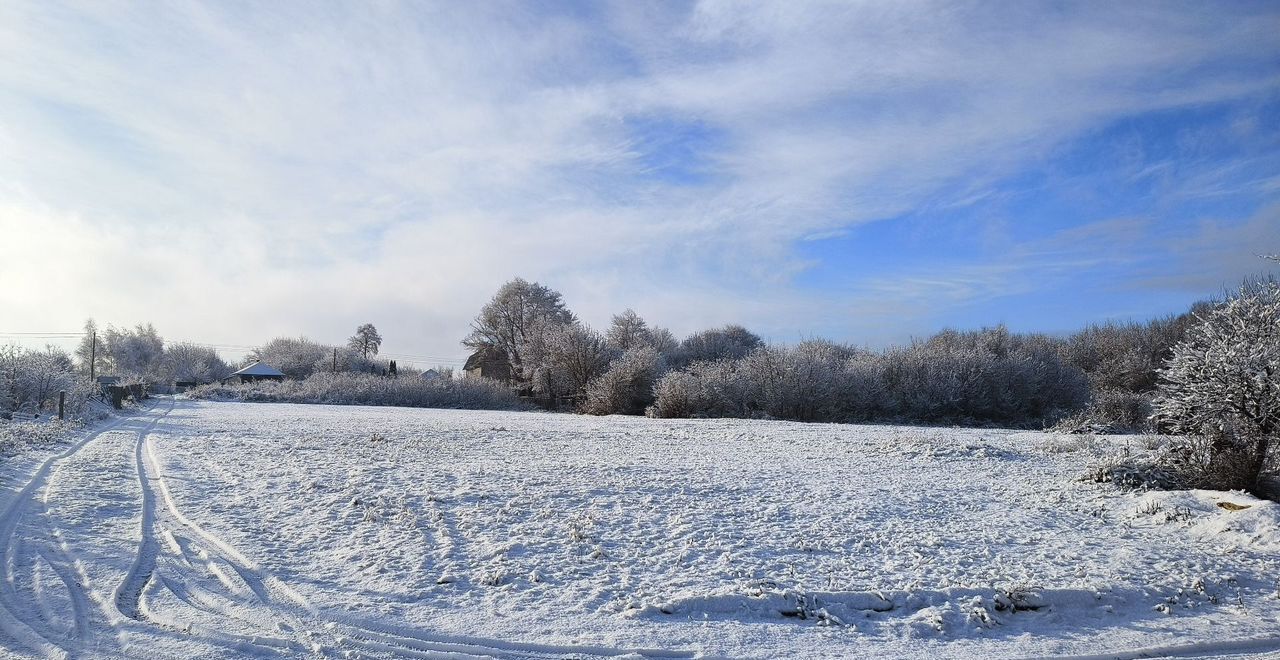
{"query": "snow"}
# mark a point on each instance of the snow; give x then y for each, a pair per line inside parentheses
(201, 529)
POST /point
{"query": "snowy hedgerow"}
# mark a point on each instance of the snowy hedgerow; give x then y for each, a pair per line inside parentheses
(1111, 411)
(1128, 356)
(1222, 385)
(372, 390)
(989, 376)
(803, 383)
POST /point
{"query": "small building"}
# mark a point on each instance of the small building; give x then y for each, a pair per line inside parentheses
(106, 382)
(256, 372)
(431, 375)
(489, 362)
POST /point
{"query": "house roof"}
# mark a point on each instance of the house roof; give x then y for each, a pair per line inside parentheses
(486, 353)
(259, 369)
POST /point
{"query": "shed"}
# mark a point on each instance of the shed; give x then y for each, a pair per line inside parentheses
(257, 372)
(489, 362)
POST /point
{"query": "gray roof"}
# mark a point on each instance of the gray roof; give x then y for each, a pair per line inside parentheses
(259, 369)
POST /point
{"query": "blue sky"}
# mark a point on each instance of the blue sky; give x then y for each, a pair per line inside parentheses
(863, 171)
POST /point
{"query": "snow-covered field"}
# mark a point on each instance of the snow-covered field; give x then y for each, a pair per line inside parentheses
(198, 529)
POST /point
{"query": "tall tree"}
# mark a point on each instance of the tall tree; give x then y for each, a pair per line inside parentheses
(366, 340)
(517, 316)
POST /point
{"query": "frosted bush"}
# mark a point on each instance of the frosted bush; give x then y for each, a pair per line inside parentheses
(627, 387)
(1222, 388)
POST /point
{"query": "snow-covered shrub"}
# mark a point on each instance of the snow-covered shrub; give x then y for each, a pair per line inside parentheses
(562, 358)
(627, 387)
(1110, 411)
(30, 381)
(1135, 472)
(802, 383)
(678, 394)
(372, 390)
(989, 376)
(1222, 388)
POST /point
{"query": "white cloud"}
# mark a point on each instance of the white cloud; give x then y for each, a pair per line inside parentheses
(277, 168)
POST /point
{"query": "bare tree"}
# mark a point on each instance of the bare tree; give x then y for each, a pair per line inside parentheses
(366, 340)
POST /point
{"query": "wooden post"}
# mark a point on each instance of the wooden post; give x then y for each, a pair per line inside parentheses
(62, 404)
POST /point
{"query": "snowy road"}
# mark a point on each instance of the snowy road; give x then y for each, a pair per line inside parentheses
(196, 529)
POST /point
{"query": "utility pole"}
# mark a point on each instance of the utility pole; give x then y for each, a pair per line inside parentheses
(335, 360)
(93, 355)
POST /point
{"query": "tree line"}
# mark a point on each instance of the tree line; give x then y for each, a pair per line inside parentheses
(1212, 372)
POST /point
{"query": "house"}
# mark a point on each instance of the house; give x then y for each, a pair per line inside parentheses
(489, 362)
(431, 375)
(256, 372)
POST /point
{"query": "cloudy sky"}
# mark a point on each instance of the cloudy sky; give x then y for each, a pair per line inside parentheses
(864, 171)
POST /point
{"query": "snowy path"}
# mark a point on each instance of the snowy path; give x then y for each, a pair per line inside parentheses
(214, 530)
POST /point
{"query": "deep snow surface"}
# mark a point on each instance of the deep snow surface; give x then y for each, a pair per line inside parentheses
(198, 529)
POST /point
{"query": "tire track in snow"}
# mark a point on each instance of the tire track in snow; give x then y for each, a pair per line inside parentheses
(174, 566)
(15, 617)
(128, 594)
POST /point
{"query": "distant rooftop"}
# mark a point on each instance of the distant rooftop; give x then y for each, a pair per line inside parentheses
(259, 369)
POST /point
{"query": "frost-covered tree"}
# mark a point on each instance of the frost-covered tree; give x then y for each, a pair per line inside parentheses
(366, 340)
(663, 341)
(193, 362)
(30, 380)
(296, 358)
(562, 358)
(728, 343)
(627, 331)
(1223, 383)
(138, 352)
(519, 313)
(90, 348)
